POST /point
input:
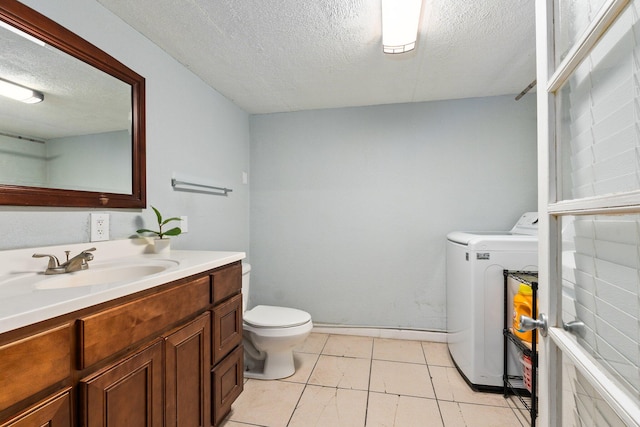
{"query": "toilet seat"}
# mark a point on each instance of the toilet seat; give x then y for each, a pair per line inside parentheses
(267, 316)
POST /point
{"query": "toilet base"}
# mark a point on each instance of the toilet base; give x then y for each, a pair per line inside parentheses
(275, 366)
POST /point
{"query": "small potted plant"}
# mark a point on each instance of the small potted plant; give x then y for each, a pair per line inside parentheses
(161, 243)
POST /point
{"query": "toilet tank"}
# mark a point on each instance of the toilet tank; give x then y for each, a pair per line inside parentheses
(246, 269)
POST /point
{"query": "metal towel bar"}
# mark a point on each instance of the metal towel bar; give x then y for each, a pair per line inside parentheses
(183, 185)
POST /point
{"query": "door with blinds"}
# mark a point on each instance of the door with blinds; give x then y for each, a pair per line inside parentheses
(588, 71)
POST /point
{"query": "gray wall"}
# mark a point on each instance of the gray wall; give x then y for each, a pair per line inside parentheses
(350, 207)
(22, 162)
(91, 162)
(191, 129)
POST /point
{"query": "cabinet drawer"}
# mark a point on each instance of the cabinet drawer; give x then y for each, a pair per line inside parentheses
(52, 412)
(227, 383)
(110, 331)
(227, 327)
(226, 282)
(33, 364)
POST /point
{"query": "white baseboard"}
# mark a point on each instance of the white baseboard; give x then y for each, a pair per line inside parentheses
(399, 334)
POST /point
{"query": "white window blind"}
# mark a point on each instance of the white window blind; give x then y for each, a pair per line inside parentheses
(586, 408)
(600, 108)
(601, 281)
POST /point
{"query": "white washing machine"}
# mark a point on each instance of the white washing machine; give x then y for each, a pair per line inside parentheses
(475, 297)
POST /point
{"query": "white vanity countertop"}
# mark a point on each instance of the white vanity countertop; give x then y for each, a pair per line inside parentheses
(23, 303)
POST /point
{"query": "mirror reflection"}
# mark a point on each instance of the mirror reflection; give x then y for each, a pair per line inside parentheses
(78, 137)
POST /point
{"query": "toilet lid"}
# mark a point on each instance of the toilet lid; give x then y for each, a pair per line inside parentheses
(267, 316)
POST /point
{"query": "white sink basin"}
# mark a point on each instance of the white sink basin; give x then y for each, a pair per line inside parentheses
(104, 274)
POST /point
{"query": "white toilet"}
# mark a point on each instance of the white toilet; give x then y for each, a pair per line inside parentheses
(270, 334)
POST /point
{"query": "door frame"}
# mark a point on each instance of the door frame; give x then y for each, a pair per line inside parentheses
(549, 408)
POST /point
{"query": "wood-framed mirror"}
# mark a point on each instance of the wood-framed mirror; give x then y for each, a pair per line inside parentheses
(84, 144)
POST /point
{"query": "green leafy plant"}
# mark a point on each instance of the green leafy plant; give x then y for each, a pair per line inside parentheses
(161, 223)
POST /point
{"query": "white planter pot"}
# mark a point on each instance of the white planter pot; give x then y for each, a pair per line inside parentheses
(161, 246)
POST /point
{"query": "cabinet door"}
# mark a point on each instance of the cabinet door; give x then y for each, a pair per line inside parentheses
(227, 327)
(128, 393)
(188, 361)
(227, 383)
(52, 412)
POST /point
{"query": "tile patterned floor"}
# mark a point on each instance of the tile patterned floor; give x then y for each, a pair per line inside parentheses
(354, 381)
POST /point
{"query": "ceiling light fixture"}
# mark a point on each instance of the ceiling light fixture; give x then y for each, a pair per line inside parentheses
(22, 33)
(400, 19)
(20, 93)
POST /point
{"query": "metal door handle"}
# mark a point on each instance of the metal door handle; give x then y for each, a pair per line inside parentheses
(575, 327)
(529, 324)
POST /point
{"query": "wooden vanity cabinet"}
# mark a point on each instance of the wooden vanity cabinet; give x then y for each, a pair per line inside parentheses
(169, 356)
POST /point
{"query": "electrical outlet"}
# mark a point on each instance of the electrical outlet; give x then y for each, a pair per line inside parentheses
(99, 227)
(184, 224)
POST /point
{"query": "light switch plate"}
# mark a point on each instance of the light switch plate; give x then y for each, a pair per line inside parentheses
(184, 224)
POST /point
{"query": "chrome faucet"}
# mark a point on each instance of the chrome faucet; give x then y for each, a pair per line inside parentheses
(77, 263)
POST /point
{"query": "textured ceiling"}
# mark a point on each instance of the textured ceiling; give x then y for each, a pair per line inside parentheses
(288, 55)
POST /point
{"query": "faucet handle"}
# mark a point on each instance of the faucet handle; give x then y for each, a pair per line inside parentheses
(87, 256)
(53, 260)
